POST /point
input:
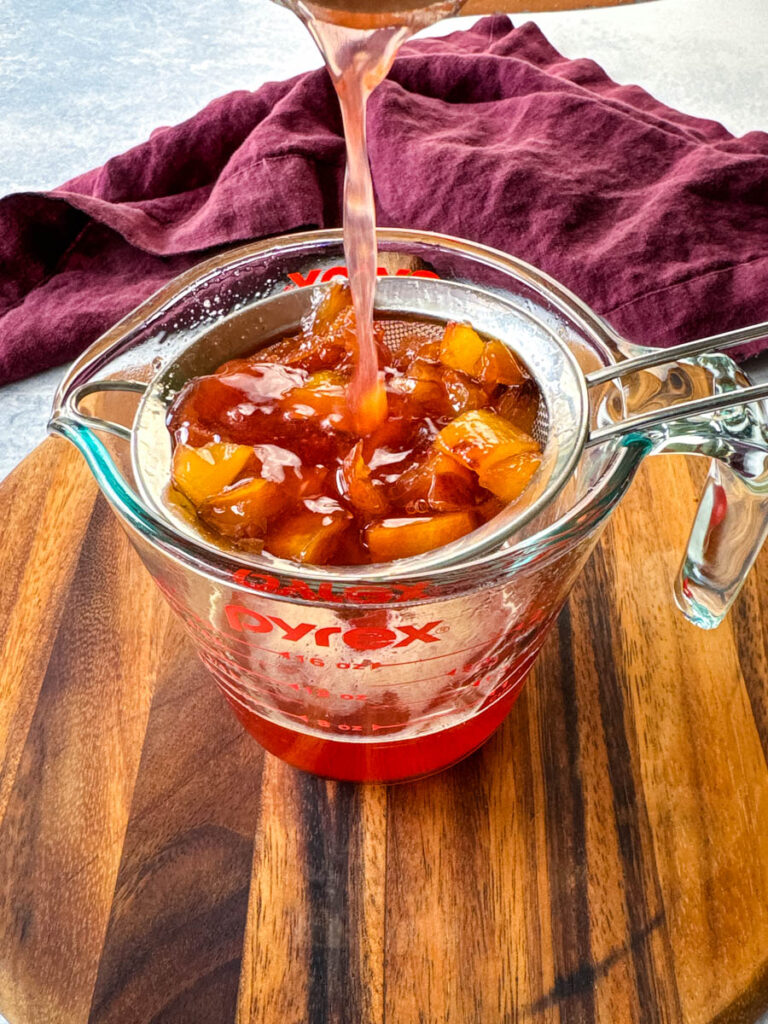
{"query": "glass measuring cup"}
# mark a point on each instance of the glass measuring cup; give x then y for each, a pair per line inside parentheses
(394, 671)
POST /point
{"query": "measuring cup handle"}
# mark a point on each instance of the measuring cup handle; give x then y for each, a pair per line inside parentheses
(732, 521)
(730, 527)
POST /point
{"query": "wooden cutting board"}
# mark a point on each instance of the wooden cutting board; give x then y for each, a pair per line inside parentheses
(603, 858)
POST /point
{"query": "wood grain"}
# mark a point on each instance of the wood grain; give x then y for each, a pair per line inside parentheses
(604, 858)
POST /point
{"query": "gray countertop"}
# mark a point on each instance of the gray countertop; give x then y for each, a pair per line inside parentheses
(82, 80)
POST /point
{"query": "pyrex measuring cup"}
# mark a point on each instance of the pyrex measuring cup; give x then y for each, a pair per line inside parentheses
(393, 671)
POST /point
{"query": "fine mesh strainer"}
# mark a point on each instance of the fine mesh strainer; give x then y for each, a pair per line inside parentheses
(567, 421)
(560, 427)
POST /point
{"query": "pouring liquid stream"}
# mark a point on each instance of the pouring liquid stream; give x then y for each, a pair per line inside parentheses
(358, 57)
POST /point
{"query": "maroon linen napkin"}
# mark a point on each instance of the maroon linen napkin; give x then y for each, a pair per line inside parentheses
(658, 220)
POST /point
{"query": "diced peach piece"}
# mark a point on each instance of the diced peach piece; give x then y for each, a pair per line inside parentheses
(427, 395)
(438, 390)
(401, 538)
(464, 394)
(423, 385)
(429, 351)
(314, 352)
(497, 365)
(413, 484)
(452, 486)
(181, 502)
(439, 484)
(362, 492)
(323, 395)
(288, 352)
(311, 535)
(244, 509)
(520, 405)
(461, 347)
(425, 370)
(200, 472)
(334, 299)
(507, 478)
(490, 508)
(475, 436)
(321, 346)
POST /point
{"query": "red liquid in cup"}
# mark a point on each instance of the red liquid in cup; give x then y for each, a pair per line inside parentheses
(387, 761)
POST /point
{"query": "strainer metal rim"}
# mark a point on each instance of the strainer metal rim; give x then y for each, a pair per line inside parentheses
(561, 452)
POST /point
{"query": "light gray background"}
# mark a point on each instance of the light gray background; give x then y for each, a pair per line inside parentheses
(81, 80)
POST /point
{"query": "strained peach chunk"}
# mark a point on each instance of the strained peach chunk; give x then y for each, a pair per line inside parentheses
(311, 535)
(402, 538)
(476, 436)
(200, 472)
(497, 365)
(244, 509)
(438, 484)
(461, 347)
(464, 393)
(322, 396)
(508, 477)
(520, 405)
(363, 493)
(490, 362)
(335, 299)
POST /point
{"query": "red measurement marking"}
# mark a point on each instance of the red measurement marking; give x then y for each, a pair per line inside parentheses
(315, 691)
(342, 664)
(231, 687)
(247, 670)
(302, 659)
(300, 281)
(355, 634)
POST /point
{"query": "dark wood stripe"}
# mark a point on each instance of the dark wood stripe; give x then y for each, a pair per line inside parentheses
(573, 990)
(181, 899)
(657, 996)
(330, 815)
(588, 975)
(512, 758)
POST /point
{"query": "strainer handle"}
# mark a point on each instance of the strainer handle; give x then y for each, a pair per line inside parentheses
(689, 349)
